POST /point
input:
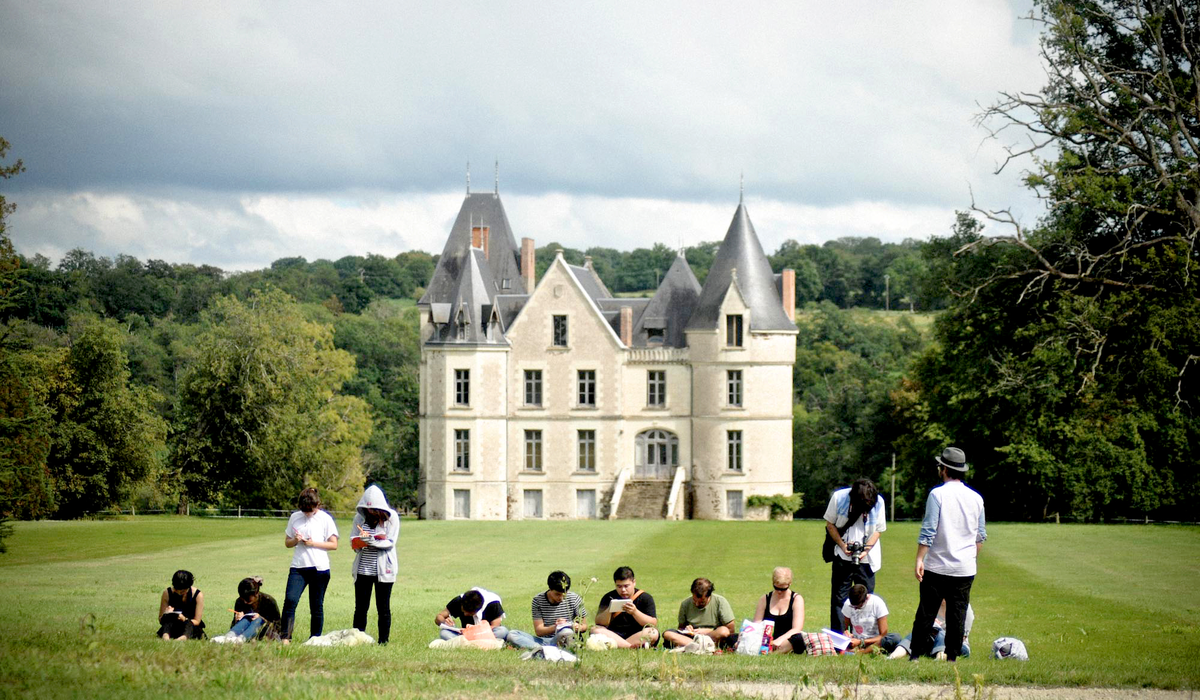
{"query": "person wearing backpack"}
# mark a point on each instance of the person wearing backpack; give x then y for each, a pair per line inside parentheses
(854, 520)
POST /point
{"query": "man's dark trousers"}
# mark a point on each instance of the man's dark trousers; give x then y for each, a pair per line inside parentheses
(845, 574)
(956, 591)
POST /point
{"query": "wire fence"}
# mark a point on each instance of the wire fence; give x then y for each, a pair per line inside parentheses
(231, 512)
(263, 513)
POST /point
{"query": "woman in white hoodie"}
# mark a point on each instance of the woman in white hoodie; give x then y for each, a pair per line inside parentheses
(376, 528)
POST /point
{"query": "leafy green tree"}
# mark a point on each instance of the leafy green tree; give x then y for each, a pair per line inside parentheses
(847, 365)
(386, 348)
(107, 438)
(700, 258)
(792, 256)
(544, 256)
(1066, 363)
(261, 413)
(905, 274)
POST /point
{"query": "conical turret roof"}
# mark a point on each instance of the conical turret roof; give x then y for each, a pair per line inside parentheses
(503, 259)
(741, 250)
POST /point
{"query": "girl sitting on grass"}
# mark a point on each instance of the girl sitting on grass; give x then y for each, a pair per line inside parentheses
(255, 614)
(181, 609)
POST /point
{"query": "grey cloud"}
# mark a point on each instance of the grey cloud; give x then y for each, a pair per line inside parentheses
(819, 104)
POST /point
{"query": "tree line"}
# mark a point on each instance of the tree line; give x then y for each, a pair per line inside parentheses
(847, 272)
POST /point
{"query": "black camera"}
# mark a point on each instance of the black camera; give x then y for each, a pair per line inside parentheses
(856, 551)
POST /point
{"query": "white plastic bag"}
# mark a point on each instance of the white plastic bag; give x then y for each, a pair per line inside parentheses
(755, 636)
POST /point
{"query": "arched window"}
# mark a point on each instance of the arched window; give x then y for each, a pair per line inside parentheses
(656, 454)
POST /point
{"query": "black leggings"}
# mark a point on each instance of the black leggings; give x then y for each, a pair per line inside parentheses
(383, 604)
(174, 627)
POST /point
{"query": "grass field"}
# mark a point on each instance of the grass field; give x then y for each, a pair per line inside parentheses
(1096, 606)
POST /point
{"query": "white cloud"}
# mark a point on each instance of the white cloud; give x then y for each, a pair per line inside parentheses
(247, 232)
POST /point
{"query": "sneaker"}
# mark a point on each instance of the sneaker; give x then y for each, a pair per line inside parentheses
(899, 653)
(941, 656)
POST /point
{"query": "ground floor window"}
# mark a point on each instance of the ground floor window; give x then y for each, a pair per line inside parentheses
(585, 504)
(533, 503)
(462, 503)
(733, 505)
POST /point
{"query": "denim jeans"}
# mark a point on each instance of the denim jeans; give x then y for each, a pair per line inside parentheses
(247, 628)
(525, 640)
(845, 574)
(383, 605)
(298, 579)
(939, 644)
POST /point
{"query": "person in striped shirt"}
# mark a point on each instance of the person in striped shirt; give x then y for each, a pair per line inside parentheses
(557, 615)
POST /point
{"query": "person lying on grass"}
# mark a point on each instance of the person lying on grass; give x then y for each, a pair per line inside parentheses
(255, 614)
(866, 621)
(476, 606)
(627, 615)
(181, 609)
(704, 613)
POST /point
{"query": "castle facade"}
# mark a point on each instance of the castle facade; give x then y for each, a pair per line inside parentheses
(551, 398)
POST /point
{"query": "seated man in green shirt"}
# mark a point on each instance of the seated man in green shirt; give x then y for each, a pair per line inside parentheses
(705, 613)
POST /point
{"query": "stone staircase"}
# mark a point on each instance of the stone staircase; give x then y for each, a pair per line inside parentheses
(644, 499)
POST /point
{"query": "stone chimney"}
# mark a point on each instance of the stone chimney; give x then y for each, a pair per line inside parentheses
(528, 264)
(479, 239)
(627, 326)
(788, 294)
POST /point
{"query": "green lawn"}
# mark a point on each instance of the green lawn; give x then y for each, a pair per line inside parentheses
(1096, 605)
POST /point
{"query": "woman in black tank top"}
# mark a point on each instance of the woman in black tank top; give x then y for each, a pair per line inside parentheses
(181, 609)
(788, 621)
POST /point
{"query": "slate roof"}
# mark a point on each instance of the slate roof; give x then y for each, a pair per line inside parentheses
(503, 262)
(591, 282)
(472, 303)
(611, 308)
(509, 305)
(671, 306)
(741, 249)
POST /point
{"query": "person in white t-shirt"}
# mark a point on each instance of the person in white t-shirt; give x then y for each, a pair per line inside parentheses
(865, 615)
(948, 545)
(854, 519)
(313, 534)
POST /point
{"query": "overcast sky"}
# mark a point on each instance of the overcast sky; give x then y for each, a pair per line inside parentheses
(234, 134)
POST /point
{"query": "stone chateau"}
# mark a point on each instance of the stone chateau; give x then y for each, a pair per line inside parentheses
(551, 398)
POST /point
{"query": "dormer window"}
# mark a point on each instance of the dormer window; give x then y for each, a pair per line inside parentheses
(655, 336)
(461, 326)
(733, 330)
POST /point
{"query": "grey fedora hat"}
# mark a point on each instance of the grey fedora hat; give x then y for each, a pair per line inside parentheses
(953, 458)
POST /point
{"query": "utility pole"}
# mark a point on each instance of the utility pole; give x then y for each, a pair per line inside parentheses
(893, 518)
(887, 298)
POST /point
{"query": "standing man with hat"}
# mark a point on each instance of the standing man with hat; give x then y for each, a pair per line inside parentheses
(951, 535)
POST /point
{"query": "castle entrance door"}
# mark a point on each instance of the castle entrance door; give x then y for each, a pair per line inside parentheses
(656, 454)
